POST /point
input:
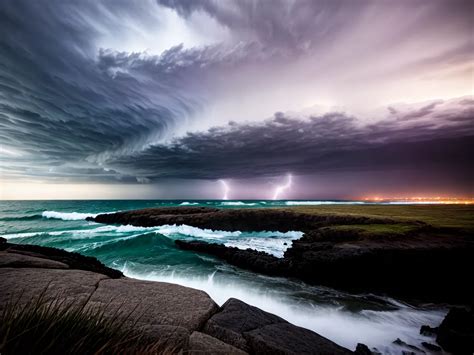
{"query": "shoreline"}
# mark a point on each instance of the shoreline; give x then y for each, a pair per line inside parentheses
(356, 253)
(187, 318)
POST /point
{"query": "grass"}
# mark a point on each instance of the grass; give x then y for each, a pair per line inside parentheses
(379, 228)
(447, 216)
(40, 327)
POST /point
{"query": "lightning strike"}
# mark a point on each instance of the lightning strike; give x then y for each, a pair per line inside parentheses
(281, 188)
(226, 189)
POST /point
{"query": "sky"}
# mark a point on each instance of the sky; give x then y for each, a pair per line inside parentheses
(165, 98)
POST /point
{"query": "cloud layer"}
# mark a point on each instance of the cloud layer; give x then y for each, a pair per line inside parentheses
(99, 91)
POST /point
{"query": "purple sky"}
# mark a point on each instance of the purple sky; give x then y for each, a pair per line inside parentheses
(162, 99)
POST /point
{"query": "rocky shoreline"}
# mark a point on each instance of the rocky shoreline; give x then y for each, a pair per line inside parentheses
(188, 320)
(424, 264)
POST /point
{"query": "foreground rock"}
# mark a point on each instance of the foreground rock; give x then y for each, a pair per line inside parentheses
(253, 330)
(401, 265)
(186, 320)
(456, 332)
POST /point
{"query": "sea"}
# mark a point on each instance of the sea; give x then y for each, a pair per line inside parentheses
(150, 254)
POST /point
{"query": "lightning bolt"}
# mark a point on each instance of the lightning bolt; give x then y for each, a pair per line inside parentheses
(226, 189)
(281, 188)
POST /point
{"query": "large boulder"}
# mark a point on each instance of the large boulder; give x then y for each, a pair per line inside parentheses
(256, 331)
(456, 331)
(288, 339)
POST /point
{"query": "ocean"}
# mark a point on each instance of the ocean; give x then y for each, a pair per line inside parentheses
(150, 254)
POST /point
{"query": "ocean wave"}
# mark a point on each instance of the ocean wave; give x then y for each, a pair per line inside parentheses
(237, 203)
(272, 242)
(21, 218)
(183, 229)
(316, 203)
(68, 216)
(71, 216)
(186, 203)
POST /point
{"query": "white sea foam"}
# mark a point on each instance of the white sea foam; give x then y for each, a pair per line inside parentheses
(274, 243)
(373, 328)
(183, 229)
(186, 203)
(68, 216)
(238, 203)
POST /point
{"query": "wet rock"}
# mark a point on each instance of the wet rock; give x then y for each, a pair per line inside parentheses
(412, 348)
(431, 347)
(426, 330)
(236, 317)
(456, 331)
(362, 349)
(248, 259)
(200, 343)
(286, 338)
(253, 330)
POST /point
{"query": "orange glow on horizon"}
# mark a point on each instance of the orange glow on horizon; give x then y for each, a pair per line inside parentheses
(423, 199)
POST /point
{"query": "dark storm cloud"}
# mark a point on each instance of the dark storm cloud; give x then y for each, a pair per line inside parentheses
(328, 143)
(63, 101)
(71, 110)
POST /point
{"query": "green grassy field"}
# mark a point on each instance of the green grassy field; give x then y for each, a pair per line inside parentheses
(447, 216)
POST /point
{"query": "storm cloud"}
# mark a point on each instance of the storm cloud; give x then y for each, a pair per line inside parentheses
(120, 91)
(438, 136)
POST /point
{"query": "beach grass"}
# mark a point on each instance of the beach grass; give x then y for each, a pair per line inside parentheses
(440, 216)
(40, 326)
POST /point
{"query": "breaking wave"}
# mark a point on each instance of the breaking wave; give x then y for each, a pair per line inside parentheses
(238, 203)
(68, 216)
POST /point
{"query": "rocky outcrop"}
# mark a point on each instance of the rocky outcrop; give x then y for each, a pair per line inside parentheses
(456, 332)
(232, 219)
(184, 319)
(253, 330)
(50, 255)
(403, 265)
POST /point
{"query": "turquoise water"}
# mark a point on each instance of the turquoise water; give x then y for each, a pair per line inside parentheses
(150, 254)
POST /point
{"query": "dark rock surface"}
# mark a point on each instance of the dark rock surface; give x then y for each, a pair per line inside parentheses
(401, 265)
(362, 349)
(426, 330)
(232, 219)
(456, 331)
(431, 347)
(72, 260)
(200, 343)
(253, 330)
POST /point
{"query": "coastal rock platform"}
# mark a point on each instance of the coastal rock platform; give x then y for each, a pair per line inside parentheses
(188, 319)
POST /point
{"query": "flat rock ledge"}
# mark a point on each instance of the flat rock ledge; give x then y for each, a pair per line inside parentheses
(188, 319)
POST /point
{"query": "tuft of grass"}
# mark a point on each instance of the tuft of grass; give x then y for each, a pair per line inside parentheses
(40, 326)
